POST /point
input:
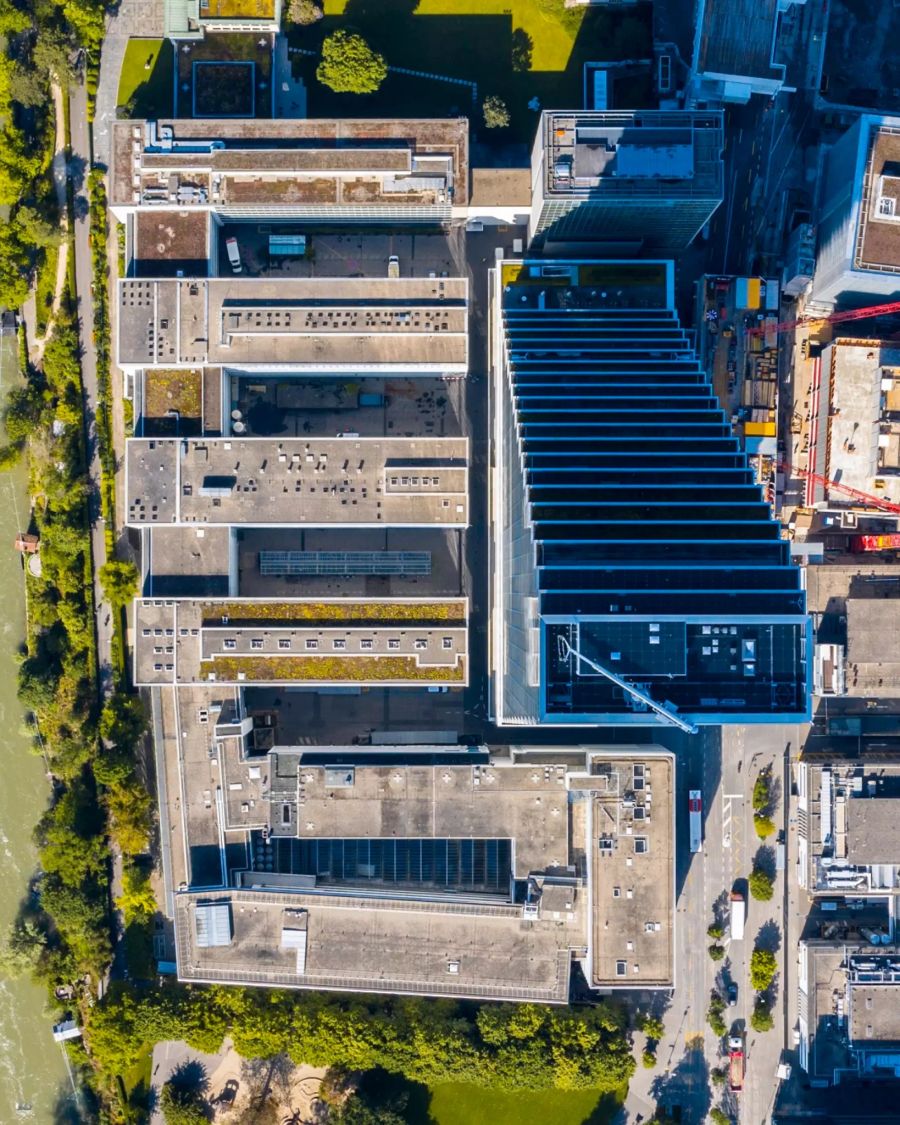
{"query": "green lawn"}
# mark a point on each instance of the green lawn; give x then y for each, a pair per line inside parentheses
(552, 27)
(147, 78)
(470, 1105)
(517, 49)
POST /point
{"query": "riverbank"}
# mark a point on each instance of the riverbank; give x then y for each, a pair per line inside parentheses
(32, 1068)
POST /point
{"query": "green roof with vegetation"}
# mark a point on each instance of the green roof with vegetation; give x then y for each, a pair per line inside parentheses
(328, 669)
(362, 613)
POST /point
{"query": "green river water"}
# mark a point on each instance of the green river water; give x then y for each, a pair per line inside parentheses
(32, 1067)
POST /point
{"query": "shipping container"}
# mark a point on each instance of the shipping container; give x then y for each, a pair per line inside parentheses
(747, 293)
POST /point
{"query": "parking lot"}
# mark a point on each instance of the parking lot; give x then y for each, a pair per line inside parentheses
(328, 254)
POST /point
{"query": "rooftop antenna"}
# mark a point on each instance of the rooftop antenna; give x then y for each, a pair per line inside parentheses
(667, 714)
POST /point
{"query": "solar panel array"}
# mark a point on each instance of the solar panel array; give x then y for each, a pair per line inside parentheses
(344, 564)
(454, 864)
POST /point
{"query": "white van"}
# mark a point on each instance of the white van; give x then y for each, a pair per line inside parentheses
(393, 266)
(234, 255)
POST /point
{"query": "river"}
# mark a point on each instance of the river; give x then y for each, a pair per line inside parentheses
(32, 1067)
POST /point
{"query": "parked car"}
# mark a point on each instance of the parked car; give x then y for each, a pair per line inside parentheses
(732, 994)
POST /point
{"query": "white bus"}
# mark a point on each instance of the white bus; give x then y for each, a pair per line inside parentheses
(695, 812)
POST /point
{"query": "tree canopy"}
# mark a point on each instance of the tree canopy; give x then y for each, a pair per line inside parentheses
(762, 885)
(502, 1046)
(496, 114)
(763, 967)
(349, 65)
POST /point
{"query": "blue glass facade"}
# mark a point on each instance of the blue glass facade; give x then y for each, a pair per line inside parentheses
(654, 554)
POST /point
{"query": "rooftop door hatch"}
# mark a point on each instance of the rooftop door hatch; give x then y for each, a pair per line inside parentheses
(566, 650)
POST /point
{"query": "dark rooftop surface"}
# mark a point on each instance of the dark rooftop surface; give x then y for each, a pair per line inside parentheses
(736, 37)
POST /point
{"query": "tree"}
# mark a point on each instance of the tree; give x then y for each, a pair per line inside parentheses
(496, 115)
(119, 580)
(182, 1107)
(35, 229)
(522, 45)
(714, 1014)
(762, 885)
(652, 1027)
(130, 811)
(304, 12)
(761, 792)
(648, 1058)
(761, 1018)
(719, 1116)
(764, 825)
(763, 967)
(715, 931)
(123, 719)
(715, 951)
(718, 1075)
(349, 65)
(137, 901)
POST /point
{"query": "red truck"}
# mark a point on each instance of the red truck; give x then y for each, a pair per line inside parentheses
(736, 1063)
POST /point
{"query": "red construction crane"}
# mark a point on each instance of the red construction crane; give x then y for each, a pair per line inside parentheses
(832, 318)
(836, 486)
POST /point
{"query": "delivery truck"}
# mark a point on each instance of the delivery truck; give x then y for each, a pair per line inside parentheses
(738, 915)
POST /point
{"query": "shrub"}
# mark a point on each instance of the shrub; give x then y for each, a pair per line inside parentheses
(648, 1058)
(349, 65)
(496, 115)
(763, 967)
(762, 885)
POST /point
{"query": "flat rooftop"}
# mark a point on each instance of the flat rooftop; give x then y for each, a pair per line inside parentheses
(291, 163)
(166, 241)
(862, 374)
(872, 830)
(878, 245)
(852, 827)
(321, 323)
(633, 153)
(526, 804)
(632, 837)
(347, 481)
(397, 945)
(874, 1012)
(737, 38)
(407, 642)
